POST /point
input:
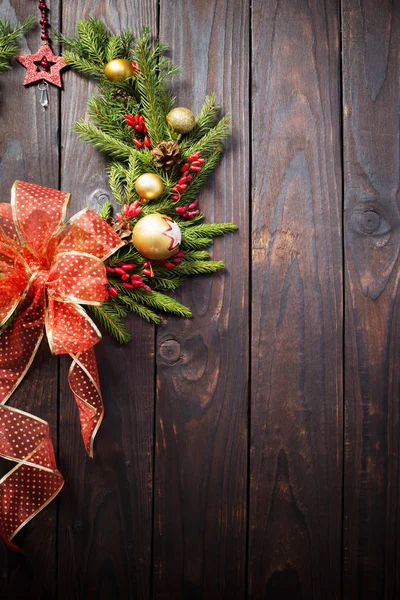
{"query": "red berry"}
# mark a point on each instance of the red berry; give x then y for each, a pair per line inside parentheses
(175, 197)
(127, 266)
(137, 143)
(109, 269)
(169, 265)
(184, 167)
(125, 277)
(197, 169)
(129, 286)
(137, 284)
(147, 142)
(147, 272)
(177, 260)
(119, 271)
(113, 291)
(147, 288)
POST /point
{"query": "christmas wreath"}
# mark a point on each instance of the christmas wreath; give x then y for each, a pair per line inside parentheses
(160, 158)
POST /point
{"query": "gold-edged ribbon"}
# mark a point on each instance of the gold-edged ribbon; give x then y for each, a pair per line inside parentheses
(48, 269)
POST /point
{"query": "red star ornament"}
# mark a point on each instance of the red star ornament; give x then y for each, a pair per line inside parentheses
(37, 72)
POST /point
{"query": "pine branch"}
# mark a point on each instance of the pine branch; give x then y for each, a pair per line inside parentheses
(102, 141)
(143, 311)
(199, 267)
(153, 69)
(110, 316)
(155, 300)
(9, 37)
(106, 210)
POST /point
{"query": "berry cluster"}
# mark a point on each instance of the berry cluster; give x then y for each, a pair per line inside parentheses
(129, 211)
(129, 281)
(169, 263)
(138, 124)
(188, 169)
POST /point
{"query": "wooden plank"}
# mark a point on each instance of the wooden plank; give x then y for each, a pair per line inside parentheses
(371, 95)
(29, 151)
(202, 404)
(105, 524)
(296, 378)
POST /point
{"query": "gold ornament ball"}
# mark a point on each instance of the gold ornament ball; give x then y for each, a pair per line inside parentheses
(149, 186)
(118, 69)
(181, 119)
(156, 236)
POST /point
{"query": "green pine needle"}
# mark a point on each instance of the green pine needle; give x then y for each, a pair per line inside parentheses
(110, 316)
(9, 37)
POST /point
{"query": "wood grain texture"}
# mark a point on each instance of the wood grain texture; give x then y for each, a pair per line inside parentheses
(29, 151)
(105, 523)
(201, 416)
(296, 377)
(371, 96)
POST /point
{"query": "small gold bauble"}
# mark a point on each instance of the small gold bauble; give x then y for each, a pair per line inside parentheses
(149, 186)
(156, 236)
(118, 69)
(181, 119)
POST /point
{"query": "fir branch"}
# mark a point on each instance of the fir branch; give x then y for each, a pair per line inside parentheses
(206, 119)
(153, 69)
(110, 316)
(106, 210)
(9, 37)
(84, 65)
(102, 141)
(138, 308)
(200, 236)
(198, 267)
(155, 300)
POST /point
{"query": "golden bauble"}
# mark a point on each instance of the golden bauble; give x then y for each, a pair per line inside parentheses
(149, 186)
(118, 69)
(181, 119)
(156, 236)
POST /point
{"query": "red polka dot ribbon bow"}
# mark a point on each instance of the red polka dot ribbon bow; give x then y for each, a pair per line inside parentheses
(47, 270)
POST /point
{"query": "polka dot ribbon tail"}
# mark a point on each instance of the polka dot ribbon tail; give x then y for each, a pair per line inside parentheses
(48, 269)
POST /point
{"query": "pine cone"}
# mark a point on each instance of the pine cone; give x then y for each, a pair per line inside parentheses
(166, 155)
(121, 96)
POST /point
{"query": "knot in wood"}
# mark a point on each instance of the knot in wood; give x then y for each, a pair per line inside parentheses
(370, 222)
(170, 351)
(101, 198)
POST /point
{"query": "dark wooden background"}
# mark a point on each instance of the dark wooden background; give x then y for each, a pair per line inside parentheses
(252, 452)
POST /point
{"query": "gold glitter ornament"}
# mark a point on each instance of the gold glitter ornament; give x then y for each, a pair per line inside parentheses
(181, 119)
(118, 69)
(156, 236)
(149, 186)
